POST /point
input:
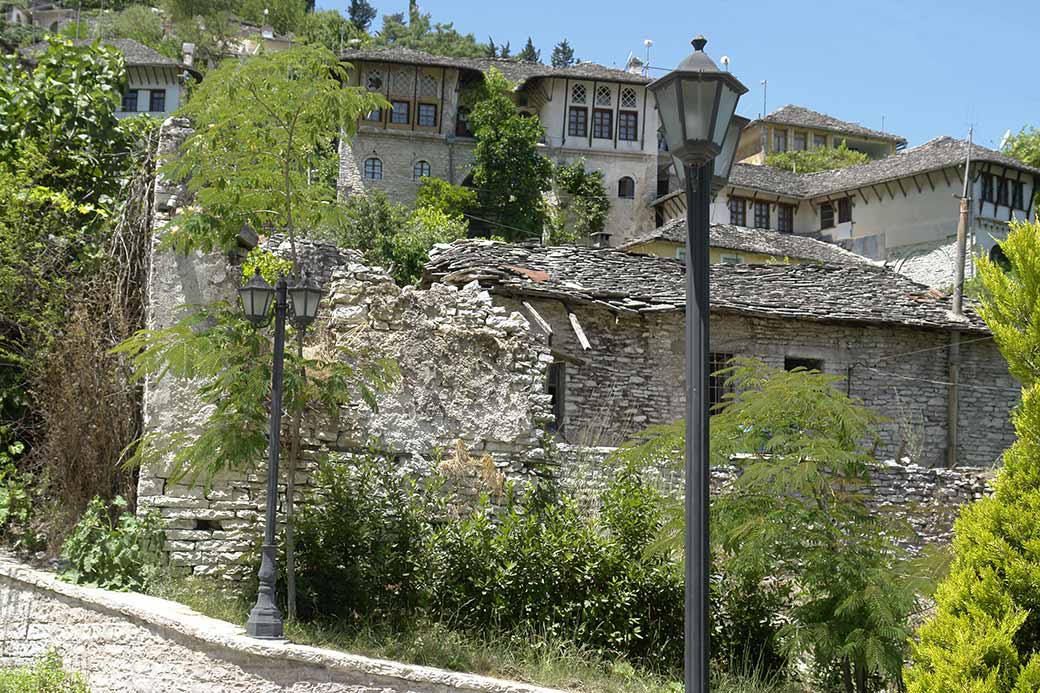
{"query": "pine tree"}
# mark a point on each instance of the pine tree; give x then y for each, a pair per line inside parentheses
(503, 51)
(985, 633)
(361, 14)
(491, 50)
(563, 54)
(529, 54)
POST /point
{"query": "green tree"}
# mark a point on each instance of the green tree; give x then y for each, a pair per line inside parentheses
(144, 25)
(985, 632)
(562, 54)
(285, 16)
(819, 159)
(582, 205)
(422, 34)
(258, 124)
(509, 173)
(328, 28)
(361, 14)
(439, 194)
(529, 53)
(1025, 146)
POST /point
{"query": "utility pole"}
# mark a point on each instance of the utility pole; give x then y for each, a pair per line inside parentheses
(765, 90)
(958, 311)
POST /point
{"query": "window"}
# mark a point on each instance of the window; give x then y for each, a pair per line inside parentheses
(785, 218)
(604, 97)
(602, 124)
(462, 123)
(628, 98)
(987, 188)
(578, 93)
(1002, 191)
(555, 387)
(779, 140)
(578, 122)
(421, 169)
(717, 381)
(731, 259)
(374, 80)
(157, 101)
(761, 215)
(626, 188)
(801, 141)
(373, 169)
(402, 83)
(793, 362)
(662, 186)
(819, 141)
(1017, 195)
(130, 101)
(826, 216)
(628, 126)
(844, 210)
(426, 115)
(680, 254)
(375, 116)
(399, 112)
(738, 211)
(428, 86)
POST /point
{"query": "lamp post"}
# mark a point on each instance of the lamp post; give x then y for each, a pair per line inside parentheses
(265, 619)
(695, 104)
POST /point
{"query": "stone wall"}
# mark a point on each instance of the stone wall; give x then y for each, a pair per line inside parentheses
(633, 376)
(133, 643)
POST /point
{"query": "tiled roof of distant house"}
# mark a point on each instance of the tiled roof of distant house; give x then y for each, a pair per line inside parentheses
(514, 70)
(629, 283)
(799, 116)
(748, 240)
(778, 181)
(134, 53)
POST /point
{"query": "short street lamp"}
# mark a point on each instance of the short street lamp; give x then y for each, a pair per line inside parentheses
(695, 104)
(265, 619)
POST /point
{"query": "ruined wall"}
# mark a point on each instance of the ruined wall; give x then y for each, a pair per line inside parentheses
(633, 376)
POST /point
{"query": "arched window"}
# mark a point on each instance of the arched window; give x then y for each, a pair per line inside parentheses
(373, 169)
(421, 169)
(626, 187)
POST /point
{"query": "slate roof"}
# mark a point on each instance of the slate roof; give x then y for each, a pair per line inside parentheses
(760, 241)
(134, 53)
(625, 282)
(514, 70)
(778, 181)
(799, 116)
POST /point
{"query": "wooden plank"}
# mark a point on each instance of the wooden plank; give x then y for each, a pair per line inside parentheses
(930, 183)
(538, 319)
(901, 189)
(946, 177)
(917, 185)
(580, 333)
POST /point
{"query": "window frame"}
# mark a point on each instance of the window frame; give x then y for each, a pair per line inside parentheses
(988, 192)
(378, 113)
(817, 144)
(415, 169)
(632, 126)
(784, 218)
(761, 214)
(1018, 191)
(573, 121)
(161, 94)
(407, 112)
(1003, 192)
(556, 388)
(623, 185)
(779, 135)
(805, 141)
(419, 107)
(717, 386)
(826, 211)
(377, 168)
(807, 362)
(845, 210)
(130, 97)
(737, 218)
(598, 126)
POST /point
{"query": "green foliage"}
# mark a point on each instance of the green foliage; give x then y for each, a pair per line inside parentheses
(117, 554)
(509, 173)
(583, 203)
(46, 675)
(216, 346)
(285, 16)
(985, 633)
(328, 28)
(142, 24)
(529, 54)
(819, 159)
(797, 513)
(562, 54)
(270, 265)
(391, 236)
(439, 194)
(1025, 146)
(361, 14)
(15, 499)
(258, 124)
(420, 33)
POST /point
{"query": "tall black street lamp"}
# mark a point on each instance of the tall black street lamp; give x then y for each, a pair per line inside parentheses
(695, 104)
(265, 619)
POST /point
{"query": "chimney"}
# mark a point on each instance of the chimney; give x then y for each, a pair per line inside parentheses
(188, 53)
(635, 66)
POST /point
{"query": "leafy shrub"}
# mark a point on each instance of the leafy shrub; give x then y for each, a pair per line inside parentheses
(439, 194)
(583, 203)
(819, 159)
(120, 554)
(47, 675)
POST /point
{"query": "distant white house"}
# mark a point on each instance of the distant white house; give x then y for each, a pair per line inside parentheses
(49, 16)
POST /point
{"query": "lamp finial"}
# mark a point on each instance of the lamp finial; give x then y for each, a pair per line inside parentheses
(699, 42)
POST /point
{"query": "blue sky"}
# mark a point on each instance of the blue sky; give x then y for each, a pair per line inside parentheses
(928, 67)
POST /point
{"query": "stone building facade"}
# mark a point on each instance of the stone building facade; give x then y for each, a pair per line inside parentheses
(615, 326)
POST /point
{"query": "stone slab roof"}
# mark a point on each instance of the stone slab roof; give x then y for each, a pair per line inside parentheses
(778, 181)
(799, 116)
(514, 70)
(624, 282)
(749, 240)
(134, 53)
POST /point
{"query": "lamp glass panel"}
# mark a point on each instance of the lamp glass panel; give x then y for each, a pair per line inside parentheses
(698, 103)
(727, 107)
(724, 161)
(305, 302)
(256, 301)
(668, 113)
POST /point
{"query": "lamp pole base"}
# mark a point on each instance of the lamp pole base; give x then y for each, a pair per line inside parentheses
(265, 620)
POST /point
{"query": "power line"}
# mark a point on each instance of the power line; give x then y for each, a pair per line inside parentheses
(940, 382)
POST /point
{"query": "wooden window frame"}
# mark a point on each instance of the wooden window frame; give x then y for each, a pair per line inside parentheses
(1003, 192)
(556, 388)
(844, 210)
(1018, 192)
(378, 113)
(779, 134)
(598, 114)
(737, 218)
(130, 97)
(785, 218)
(152, 94)
(407, 112)
(988, 192)
(761, 213)
(826, 212)
(573, 121)
(816, 141)
(415, 169)
(628, 123)
(418, 115)
(805, 141)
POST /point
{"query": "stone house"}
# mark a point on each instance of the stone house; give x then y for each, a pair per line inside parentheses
(739, 244)
(49, 16)
(614, 322)
(600, 114)
(895, 209)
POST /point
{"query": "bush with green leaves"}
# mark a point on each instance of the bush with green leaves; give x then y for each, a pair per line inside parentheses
(819, 159)
(985, 632)
(113, 548)
(439, 194)
(582, 203)
(46, 675)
